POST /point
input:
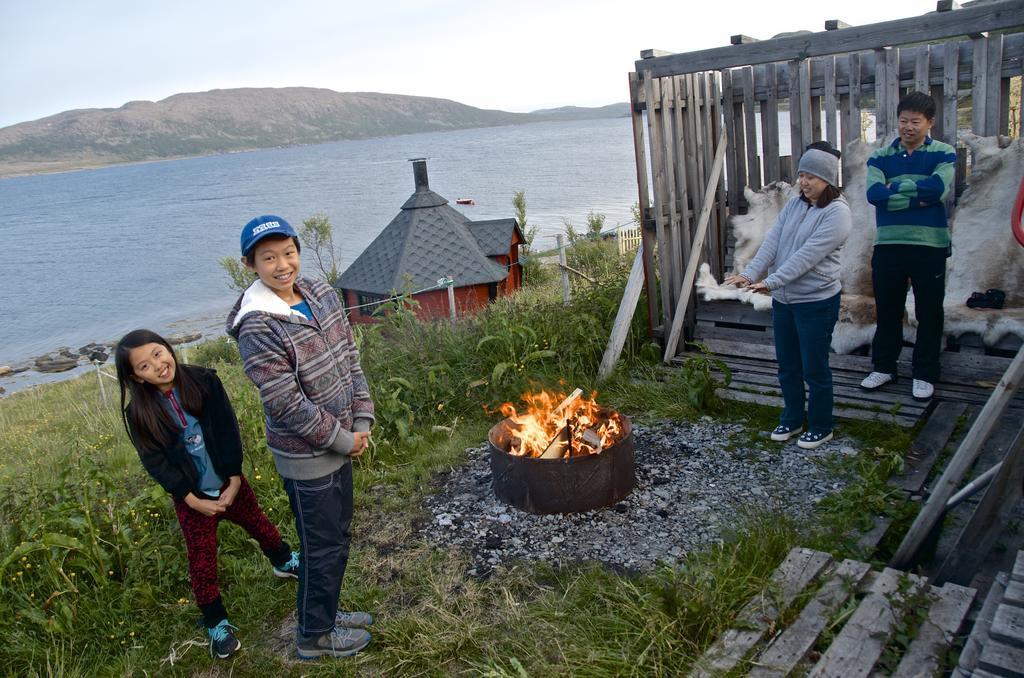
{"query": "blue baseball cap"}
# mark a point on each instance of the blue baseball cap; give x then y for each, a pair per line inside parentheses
(261, 227)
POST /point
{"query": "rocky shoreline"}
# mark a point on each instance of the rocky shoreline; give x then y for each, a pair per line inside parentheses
(693, 481)
(65, 358)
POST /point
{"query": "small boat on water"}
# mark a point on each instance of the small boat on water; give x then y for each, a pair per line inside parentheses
(465, 201)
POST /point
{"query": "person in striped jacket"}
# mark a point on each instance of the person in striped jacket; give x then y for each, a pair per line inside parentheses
(908, 182)
(297, 348)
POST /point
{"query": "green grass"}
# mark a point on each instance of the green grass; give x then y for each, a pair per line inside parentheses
(93, 576)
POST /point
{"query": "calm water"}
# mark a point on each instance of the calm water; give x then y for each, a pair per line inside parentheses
(93, 254)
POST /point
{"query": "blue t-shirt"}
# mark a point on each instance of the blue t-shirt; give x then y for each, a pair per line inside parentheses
(303, 308)
(192, 435)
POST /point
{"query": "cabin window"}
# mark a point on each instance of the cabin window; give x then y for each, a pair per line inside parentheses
(492, 291)
(368, 303)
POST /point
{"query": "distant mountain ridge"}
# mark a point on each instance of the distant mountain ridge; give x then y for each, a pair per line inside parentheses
(229, 120)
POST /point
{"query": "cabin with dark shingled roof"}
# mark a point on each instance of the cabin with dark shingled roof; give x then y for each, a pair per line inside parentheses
(426, 242)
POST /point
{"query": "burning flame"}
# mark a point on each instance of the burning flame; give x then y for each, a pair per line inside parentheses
(547, 415)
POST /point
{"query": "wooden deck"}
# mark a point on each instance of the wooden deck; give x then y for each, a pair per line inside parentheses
(822, 618)
(742, 338)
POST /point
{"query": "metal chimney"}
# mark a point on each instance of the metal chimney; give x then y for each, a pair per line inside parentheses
(419, 173)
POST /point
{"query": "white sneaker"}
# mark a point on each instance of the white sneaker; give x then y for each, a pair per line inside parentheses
(876, 380)
(922, 390)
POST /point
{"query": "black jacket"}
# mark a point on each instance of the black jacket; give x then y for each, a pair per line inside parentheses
(173, 467)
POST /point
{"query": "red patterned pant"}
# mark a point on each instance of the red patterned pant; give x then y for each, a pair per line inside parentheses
(200, 534)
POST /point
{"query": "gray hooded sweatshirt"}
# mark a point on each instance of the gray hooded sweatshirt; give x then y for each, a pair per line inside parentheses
(801, 252)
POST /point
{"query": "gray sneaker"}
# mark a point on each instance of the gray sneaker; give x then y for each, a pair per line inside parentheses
(353, 620)
(341, 642)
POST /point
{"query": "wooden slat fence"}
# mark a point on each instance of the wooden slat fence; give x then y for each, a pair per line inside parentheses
(838, 85)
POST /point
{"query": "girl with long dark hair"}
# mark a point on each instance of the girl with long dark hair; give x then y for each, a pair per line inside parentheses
(181, 422)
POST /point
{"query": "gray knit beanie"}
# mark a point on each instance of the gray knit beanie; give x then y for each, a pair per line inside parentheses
(820, 164)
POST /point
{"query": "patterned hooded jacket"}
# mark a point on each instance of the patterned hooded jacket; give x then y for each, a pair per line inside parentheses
(313, 390)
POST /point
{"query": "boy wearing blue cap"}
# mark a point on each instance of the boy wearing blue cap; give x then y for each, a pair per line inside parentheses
(297, 348)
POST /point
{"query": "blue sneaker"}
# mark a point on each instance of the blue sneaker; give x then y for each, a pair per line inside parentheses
(223, 642)
(289, 570)
(783, 433)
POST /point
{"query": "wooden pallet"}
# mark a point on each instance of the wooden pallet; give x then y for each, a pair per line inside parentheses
(996, 644)
(741, 338)
(803, 623)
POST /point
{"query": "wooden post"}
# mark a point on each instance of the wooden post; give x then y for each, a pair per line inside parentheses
(965, 455)
(624, 317)
(562, 268)
(640, 151)
(99, 378)
(696, 250)
(451, 296)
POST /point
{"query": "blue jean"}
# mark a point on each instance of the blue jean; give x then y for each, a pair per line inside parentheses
(803, 337)
(323, 515)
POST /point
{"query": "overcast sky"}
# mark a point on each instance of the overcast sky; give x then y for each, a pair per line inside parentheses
(516, 56)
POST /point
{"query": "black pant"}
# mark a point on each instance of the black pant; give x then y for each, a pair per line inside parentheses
(323, 514)
(925, 268)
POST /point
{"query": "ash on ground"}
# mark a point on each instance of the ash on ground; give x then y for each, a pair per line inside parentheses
(692, 480)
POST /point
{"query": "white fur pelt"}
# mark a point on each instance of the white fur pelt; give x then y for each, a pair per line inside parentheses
(985, 253)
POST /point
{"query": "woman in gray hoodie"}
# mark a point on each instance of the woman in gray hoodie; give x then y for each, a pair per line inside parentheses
(800, 253)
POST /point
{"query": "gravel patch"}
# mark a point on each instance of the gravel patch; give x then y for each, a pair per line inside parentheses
(692, 480)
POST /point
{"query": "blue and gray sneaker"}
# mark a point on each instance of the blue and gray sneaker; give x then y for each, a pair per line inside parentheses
(340, 642)
(353, 620)
(223, 643)
(289, 570)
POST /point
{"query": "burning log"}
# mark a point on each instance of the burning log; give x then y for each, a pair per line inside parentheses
(556, 426)
(558, 446)
(593, 438)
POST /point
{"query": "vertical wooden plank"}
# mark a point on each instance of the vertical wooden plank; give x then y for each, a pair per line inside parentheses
(685, 82)
(921, 69)
(681, 151)
(979, 89)
(742, 161)
(855, 91)
(732, 162)
(892, 81)
(831, 128)
(950, 88)
(1004, 106)
(750, 127)
(796, 109)
(696, 145)
(993, 84)
(672, 225)
(658, 184)
(705, 121)
(643, 191)
(881, 91)
(811, 114)
(770, 126)
(718, 115)
(844, 132)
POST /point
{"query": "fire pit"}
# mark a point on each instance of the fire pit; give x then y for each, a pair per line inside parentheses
(575, 457)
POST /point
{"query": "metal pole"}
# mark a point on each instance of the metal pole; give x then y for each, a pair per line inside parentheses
(565, 273)
(974, 486)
